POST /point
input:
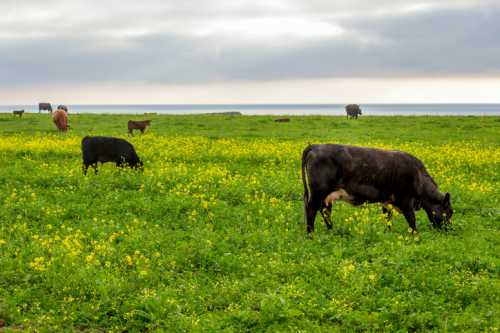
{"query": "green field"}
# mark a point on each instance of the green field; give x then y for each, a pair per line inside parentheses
(211, 237)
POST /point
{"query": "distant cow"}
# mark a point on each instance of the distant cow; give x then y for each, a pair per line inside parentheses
(140, 125)
(282, 120)
(360, 175)
(352, 111)
(18, 113)
(63, 107)
(108, 149)
(60, 119)
(44, 106)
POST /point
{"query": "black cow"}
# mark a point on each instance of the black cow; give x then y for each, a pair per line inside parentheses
(63, 107)
(352, 111)
(108, 149)
(18, 113)
(360, 175)
(44, 106)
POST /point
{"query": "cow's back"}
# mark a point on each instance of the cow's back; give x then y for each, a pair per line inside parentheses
(60, 119)
(106, 149)
(332, 167)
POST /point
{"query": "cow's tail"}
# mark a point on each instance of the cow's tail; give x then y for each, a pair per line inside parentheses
(305, 175)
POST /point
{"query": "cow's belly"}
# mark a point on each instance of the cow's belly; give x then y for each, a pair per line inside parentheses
(357, 199)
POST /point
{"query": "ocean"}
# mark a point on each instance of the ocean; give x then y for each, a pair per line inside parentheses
(281, 109)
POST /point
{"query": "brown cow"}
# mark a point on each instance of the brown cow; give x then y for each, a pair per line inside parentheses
(282, 120)
(140, 125)
(60, 119)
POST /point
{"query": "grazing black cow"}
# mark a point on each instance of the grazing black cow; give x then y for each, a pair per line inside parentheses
(63, 107)
(360, 175)
(352, 111)
(44, 106)
(108, 149)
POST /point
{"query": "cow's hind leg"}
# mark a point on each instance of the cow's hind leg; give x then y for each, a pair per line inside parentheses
(86, 165)
(311, 208)
(326, 214)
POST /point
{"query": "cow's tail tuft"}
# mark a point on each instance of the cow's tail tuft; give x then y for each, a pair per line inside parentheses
(305, 175)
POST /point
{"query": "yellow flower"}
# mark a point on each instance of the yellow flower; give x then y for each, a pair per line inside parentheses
(38, 264)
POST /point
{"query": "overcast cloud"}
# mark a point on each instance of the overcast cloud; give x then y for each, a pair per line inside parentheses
(197, 42)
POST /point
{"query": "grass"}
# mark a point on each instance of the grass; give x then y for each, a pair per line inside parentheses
(211, 237)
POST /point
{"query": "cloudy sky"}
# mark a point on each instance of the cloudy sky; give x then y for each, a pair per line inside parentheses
(256, 51)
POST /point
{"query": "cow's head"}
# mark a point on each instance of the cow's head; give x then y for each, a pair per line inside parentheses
(138, 165)
(439, 211)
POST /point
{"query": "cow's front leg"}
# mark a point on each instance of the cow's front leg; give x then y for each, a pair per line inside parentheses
(388, 216)
(407, 207)
(387, 210)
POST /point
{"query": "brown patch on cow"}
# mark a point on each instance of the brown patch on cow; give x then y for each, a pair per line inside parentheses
(60, 119)
(337, 195)
(140, 125)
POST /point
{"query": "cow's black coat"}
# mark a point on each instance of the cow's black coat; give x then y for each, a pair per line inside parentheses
(352, 111)
(370, 175)
(108, 149)
(44, 106)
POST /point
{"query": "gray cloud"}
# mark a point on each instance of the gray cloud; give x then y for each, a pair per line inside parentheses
(162, 42)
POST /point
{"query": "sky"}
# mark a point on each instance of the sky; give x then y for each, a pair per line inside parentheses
(258, 51)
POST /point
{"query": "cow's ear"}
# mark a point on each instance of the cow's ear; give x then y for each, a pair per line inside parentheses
(446, 200)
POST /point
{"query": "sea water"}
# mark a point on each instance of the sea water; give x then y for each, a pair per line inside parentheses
(280, 109)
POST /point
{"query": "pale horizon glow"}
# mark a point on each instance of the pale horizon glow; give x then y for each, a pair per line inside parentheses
(343, 91)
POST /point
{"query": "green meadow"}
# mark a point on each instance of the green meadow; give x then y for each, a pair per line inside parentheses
(210, 236)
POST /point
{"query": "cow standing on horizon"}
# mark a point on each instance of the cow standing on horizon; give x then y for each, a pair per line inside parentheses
(352, 111)
(44, 106)
(359, 175)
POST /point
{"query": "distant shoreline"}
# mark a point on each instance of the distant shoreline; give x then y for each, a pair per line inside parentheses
(277, 109)
(146, 114)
